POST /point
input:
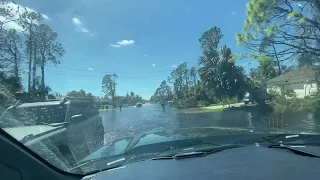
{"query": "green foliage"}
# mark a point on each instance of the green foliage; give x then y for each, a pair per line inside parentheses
(11, 50)
(254, 55)
(219, 77)
(180, 79)
(283, 105)
(274, 93)
(186, 103)
(269, 31)
(163, 94)
(229, 100)
(290, 93)
(216, 69)
(316, 108)
(129, 100)
(302, 20)
(49, 50)
(236, 57)
(109, 87)
(29, 42)
(293, 14)
(266, 29)
(79, 94)
(307, 59)
(203, 103)
(266, 69)
(51, 96)
(211, 44)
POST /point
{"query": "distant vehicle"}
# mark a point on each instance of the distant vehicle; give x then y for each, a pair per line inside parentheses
(139, 105)
(76, 121)
(246, 98)
(261, 96)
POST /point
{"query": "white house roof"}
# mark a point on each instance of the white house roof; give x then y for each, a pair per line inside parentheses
(305, 71)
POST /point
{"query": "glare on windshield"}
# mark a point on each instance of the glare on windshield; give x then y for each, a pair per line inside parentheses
(87, 79)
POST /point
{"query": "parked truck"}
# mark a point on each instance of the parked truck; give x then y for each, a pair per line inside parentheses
(70, 128)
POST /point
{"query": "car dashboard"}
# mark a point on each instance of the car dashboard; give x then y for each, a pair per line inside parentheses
(252, 162)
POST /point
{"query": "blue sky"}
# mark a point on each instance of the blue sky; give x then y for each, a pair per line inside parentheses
(139, 40)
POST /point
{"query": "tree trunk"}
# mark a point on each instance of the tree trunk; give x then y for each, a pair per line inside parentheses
(278, 62)
(43, 86)
(34, 69)
(30, 65)
(34, 79)
(16, 68)
(30, 59)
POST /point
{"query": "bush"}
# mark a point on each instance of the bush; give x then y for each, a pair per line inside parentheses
(203, 103)
(316, 109)
(281, 105)
(307, 97)
(227, 101)
(290, 93)
(185, 103)
(51, 96)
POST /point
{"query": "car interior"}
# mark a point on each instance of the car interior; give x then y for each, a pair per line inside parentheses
(17, 162)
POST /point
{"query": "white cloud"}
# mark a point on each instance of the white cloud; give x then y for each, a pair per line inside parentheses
(79, 25)
(45, 17)
(122, 43)
(145, 55)
(11, 24)
(76, 21)
(125, 42)
(90, 69)
(11, 21)
(153, 65)
(233, 13)
(115, 45)
(174, 66)
(85, 30)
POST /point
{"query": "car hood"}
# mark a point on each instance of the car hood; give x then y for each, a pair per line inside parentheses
(122, 144)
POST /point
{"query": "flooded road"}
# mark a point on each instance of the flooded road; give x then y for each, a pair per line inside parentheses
(132, 120)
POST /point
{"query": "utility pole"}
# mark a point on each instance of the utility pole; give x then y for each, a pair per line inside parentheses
(114, 86)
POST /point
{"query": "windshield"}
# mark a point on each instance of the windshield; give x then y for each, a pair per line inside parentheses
(85, 80)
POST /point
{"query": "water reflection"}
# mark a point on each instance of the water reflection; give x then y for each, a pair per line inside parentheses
(132, 120)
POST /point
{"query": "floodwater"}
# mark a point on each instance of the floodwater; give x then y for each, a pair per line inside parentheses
(151, 118)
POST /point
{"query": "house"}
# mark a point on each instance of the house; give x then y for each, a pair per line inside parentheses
(301, 80)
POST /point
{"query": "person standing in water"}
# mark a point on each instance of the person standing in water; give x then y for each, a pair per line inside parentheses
(163, 107)
(120, 106)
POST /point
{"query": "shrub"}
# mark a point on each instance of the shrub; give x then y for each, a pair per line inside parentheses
(290, 93)
(273, 92)
(203, 103)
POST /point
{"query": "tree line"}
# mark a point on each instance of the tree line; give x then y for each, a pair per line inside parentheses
(275, 33)
(215, 79)
(109, 88)
(279, 31)
(34, 46)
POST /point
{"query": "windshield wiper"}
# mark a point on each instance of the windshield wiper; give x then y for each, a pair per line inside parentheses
(54, 124)
(295, 149)
(291, 139)
(113, 164)
(197, 153)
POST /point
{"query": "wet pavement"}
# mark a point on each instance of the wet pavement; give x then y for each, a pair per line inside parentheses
(151, 118)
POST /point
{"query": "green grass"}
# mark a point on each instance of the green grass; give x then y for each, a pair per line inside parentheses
(200, 110)
(105, 110)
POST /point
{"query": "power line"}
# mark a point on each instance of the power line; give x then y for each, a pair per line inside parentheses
(110, 72)
(120, 77)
